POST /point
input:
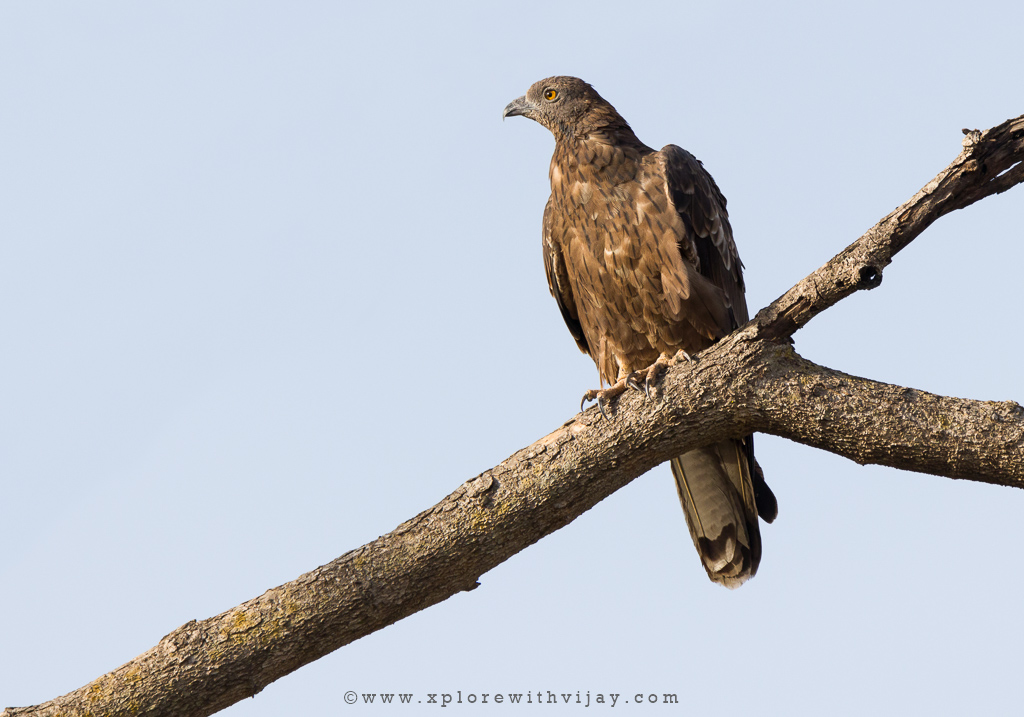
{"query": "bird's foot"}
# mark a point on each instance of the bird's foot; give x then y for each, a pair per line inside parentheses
(650, 374)
(604, 395)
(642, 380)
(633, 380)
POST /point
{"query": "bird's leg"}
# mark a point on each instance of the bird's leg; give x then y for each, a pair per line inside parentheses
(604, 395)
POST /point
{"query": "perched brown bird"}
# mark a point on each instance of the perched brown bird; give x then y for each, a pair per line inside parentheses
(641, 261)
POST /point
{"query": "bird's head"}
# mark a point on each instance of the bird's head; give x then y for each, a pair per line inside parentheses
(567, 106)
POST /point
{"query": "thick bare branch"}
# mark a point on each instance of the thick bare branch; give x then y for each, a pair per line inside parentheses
(738, 386)
(745, 383)
(878, 423)
(990, 163)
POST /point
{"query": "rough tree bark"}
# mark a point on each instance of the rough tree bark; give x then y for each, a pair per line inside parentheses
(752, 381)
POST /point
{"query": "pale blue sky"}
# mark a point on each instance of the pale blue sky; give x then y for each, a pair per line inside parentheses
(271, 283)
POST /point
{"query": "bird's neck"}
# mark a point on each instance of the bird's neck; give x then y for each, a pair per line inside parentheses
(609, 154)
(614, 133)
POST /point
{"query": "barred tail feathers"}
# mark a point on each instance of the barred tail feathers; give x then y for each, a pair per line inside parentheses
(717, 493)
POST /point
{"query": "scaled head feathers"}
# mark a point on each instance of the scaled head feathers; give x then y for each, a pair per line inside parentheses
(567, 106)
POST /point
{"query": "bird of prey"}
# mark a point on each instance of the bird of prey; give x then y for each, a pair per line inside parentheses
(641, 261)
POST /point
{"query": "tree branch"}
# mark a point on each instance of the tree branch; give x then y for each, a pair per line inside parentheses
(882, 424)
(990, 163)
(749, 382)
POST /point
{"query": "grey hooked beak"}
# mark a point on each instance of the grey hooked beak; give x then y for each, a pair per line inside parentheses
(521, 107)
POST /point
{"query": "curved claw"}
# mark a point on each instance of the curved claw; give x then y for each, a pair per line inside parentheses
(634, 384)
(605, 395)
(601, 403)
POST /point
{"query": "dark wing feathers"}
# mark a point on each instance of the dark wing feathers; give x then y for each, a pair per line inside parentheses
(558, 283)
(699, 202)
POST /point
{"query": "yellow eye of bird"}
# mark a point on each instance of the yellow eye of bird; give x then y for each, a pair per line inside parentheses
(550, 95)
